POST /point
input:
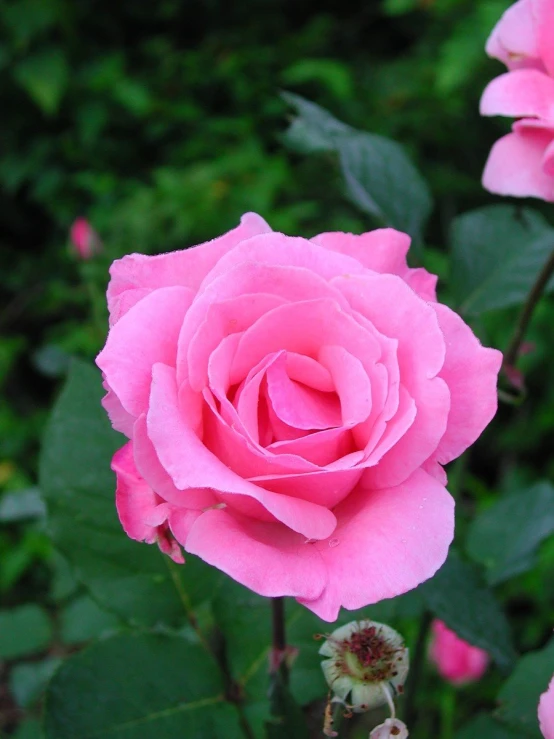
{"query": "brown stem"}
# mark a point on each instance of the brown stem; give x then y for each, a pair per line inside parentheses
(279, 644)
(510, 356)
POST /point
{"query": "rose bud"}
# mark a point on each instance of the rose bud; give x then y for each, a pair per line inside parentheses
(455, 659)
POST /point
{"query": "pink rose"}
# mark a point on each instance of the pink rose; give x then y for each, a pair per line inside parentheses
(522, 163)
(290, 403)
(546, 712)
(456, 660)
(84, 239)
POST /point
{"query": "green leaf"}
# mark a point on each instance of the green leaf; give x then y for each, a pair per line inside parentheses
(484, 726)
(24, 630)
(28, 680)
(497, 253)
(28, 729)
(314, 129)
(44, 76)
(380, 178)
(287, 720)
(83, 620)
(140, 686)
(133, 580)
(519, 696)
(20, 505)
(457, 596)
(505, 537)
(383, 182)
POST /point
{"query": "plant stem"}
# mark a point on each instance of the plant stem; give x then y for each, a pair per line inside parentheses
(448, 710)
(278, 647)
(416, 669)
(510, 356)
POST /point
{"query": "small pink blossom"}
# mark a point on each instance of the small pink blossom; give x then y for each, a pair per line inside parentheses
(456, 660)
(546, 712)
(84, 239)
(290, 404)
(522, 163)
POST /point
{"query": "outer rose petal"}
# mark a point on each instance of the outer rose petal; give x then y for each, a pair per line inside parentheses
(186, 268)
(514, 166)
(543, 11)
(470, 371)
(386, 543)
(266, 557)
(147, 334)
(121, 420)
(521, 93)
(514, 39)
(456, 660)
(546, 712)
(137, 504)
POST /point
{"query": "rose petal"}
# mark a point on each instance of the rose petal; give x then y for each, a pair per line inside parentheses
(381, 250)
(351, 382)
(186, 268)
(120, 419)
(139, 509)
(268, 558)
(300, 406)
(191, 465)
(514, 166)
(151, 470)
(145, 335)
(470, 371)
(523, 92)
(386, 543)
(514, 39)
(543, 11)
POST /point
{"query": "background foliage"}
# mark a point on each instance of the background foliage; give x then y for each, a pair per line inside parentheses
(162, 123)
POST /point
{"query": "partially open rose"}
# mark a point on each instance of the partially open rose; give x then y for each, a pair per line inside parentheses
(290, 403)
(522, 162)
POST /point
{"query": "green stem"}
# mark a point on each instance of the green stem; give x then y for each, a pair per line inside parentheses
(511, 354)
(416, 670)
(448, 711)
(279, 644)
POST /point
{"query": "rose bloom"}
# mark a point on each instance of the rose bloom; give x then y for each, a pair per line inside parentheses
(522, 163)
(546, 712)
(455, 659)
(290, 403)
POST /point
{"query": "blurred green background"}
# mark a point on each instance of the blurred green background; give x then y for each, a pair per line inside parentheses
(161, 123)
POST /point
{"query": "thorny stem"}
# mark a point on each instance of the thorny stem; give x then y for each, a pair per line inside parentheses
(510, 356)
(416, 668)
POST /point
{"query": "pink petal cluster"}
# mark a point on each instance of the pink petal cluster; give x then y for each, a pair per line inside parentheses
(289, 404)
(522, 163)
(455, 659)
(84, 239)
(546, 712)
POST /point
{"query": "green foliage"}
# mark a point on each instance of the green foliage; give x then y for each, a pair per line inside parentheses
(144, 685)
(24, 630)
(136, 582)
(458, 597)
(505, 537)
(519, 696)
(379, 177)
(497, 253)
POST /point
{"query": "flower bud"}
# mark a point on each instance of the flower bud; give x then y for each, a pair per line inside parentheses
(455, 659)
(84, 239)
(391, 729)
(366, 661)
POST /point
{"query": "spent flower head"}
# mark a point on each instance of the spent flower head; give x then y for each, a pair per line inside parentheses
(367, 663)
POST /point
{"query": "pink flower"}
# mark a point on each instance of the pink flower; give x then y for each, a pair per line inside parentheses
(290, 403)
(84, 239)
(456, 660)
(546, 712)
(522, 163)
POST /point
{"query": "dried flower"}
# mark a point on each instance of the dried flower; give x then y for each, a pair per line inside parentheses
(367, 661)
